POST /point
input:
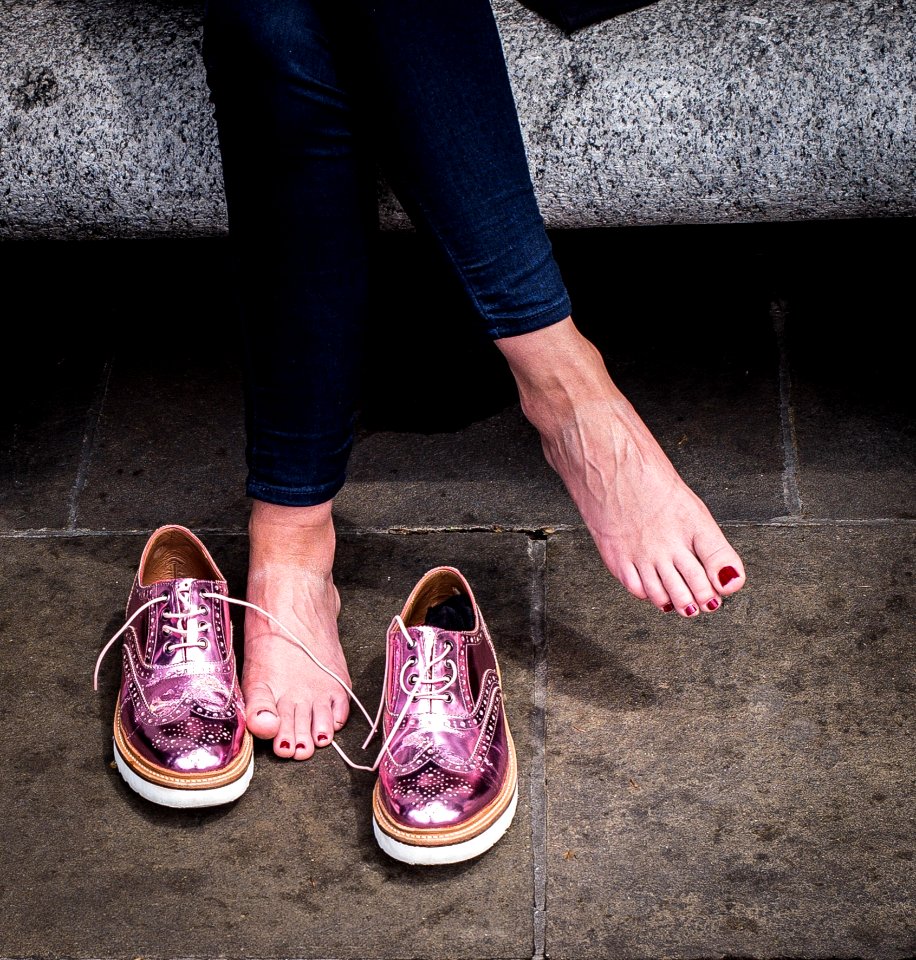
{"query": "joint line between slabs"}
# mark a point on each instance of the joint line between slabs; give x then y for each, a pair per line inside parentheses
(790, 492)
(63, 533)
(537, 551)
(93, 416)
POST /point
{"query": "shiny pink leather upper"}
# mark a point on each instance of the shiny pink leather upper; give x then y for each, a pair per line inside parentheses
(180, 703)
(450, 756)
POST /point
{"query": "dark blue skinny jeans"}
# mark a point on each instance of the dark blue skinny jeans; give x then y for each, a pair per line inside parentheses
(312, 97)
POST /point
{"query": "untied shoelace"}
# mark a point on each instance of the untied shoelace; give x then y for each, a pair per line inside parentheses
(186, 625)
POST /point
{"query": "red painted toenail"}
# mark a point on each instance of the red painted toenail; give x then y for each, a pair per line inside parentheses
(322, 738)
(300, 746)
(690, 610)
(668, 607)
(284, 744)
(713, 604)
(727, 574)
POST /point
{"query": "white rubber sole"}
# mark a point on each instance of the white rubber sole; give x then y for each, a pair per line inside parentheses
(183, 799)
(453, 853)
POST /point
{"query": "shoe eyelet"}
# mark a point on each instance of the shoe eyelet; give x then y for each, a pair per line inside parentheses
(169, 648)
(413, 679)
(449, 698)
(203, 644)
(411, 644)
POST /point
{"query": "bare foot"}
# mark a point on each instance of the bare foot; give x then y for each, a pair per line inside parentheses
(288, 699)
(652, 531)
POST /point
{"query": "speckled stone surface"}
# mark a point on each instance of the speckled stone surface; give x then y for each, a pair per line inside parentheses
(681, 112)
(743, 785)
(292, 868)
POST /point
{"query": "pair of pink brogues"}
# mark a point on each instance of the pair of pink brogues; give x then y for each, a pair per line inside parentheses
(448, 785)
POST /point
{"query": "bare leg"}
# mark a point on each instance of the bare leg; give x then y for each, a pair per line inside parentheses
(652, 531)
(288, 698)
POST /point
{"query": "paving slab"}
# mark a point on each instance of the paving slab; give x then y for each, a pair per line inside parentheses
(852, 398)
(289, 870)
(43, 425)
(170, 445)
(699, 362)
(742, 785)
(443, 443)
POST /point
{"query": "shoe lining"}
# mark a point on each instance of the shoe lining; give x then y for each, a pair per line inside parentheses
(173, 557)
(437, 591)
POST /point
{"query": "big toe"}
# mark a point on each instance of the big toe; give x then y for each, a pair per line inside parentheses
(261, 710)
(721, 562)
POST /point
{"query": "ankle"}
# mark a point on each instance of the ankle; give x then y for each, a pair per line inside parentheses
(556, 369)
(291, 536)
(267, 516)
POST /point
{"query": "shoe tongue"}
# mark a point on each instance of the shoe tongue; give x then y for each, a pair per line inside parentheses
(434, 652)
(186, 590)
(429, 639)
(183, 598)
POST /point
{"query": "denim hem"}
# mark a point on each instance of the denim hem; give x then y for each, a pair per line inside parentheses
(546, 318)
(293, 496)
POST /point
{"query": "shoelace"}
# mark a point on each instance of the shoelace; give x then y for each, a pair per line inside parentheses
(191, 628)
(413, 693)
(438, 693)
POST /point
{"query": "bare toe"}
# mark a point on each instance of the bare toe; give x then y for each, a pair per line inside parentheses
(322, 725)
(693, 574)
(305, 746)
(261, 710)
(722, 564)
(285, 740)
(655, 591)
(680, 594)
(340, 710)
(631, 578)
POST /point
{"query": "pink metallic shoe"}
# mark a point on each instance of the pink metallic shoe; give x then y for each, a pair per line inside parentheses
(179, 726)
(448, 784)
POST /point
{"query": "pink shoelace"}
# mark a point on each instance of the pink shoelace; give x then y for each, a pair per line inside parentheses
(186, 625)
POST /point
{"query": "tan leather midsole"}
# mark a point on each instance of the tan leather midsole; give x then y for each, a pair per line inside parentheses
(445, 836)
(181, 781)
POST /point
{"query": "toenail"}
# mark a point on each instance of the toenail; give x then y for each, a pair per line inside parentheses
(690, 610)
(727, 574)
(322, 738)
(713, 604)
(284, 744)
(668, 607)
(300, 746)
(269, 713)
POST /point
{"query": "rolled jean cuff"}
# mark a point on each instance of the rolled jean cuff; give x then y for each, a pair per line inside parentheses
(545, 318)
(309, 496)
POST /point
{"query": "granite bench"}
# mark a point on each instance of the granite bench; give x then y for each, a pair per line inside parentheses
(681, 112)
